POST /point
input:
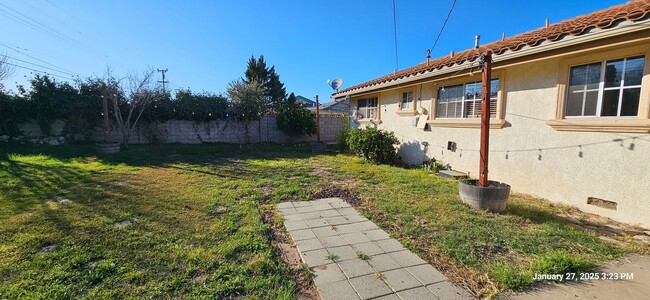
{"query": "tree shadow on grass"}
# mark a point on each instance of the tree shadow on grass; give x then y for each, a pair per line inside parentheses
(165, 154)
(532, 213)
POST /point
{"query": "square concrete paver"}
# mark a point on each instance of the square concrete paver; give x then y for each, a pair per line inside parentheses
(303, 234)
(446, 290)
(355, 267)
(355, 238)
(316, 257)
(365, 226)
(406, 258)
(383, 262)
(418, 293)
(327, 228)
(296, 225)
(400, 280)
(346, 228)
(368, 248)
(426, 274)
(390, 245)
(377, 235)
(328, 273)
(314, 223)
(333, 241)
(369, 286)
(341, 290)
(343, 252)
(309, 245)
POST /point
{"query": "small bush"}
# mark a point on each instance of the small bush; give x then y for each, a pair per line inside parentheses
(342, 140)
(342, 136)
(374, 145)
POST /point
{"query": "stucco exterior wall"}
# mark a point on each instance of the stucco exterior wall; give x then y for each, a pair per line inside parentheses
(534, 158)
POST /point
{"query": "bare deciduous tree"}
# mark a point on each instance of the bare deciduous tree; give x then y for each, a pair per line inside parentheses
(130, 97)
(6, 69)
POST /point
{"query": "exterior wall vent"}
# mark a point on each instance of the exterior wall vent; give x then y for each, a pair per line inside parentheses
(602, 203)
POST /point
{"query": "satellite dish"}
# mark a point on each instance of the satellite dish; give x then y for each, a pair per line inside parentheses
(335, 84)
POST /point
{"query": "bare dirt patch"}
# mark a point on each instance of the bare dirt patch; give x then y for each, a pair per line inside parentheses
(123, 224)
(289, 254)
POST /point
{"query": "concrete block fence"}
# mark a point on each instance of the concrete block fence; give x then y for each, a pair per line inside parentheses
(189, 132)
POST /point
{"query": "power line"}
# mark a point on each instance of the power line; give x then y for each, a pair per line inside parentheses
(45, 29)
(39, 71)
(395, 33)
(443, 25)
(36, 58)
(41, 66)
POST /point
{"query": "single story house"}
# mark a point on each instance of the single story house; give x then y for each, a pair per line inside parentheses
(570, 119)
(338, 108)
(306, 102)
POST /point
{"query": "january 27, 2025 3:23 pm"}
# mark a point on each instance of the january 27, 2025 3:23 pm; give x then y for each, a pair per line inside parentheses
(584, 276)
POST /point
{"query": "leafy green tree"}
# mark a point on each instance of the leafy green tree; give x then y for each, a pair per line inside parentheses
(13, 110)
(247, 101)
(49, 101)
(293, 118)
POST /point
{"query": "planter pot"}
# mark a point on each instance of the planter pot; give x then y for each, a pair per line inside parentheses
(107, 148)
(493, 197)
(317, 148)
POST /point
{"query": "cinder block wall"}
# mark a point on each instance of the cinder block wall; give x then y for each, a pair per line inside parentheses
(188, 132)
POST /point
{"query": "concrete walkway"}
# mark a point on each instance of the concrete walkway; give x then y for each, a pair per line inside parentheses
(352, 258)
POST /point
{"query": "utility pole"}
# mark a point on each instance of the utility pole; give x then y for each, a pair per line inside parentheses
(163, 71)
(486, 61)
(107, 127)
(317, 120)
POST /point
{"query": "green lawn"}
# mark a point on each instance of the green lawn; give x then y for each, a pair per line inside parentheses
(196, 230)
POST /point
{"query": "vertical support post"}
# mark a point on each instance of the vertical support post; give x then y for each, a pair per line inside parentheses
(486, 60)
(107, 128)
(317, 120)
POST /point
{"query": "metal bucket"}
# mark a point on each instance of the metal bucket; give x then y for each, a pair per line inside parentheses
(493, 197)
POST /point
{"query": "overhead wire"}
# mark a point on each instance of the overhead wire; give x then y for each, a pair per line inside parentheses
(40, 66)
(33, 57)
(395, 36)
(443, 25)
(40, 71)
(35, 24)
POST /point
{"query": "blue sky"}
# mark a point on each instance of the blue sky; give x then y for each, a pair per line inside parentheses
(205, 44)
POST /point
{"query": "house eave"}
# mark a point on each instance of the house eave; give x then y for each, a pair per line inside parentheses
(503, 60)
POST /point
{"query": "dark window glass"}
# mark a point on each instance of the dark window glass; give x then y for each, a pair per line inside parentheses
(630, 104)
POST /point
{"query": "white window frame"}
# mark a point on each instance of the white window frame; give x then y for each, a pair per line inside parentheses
(601, 90)
(464, 101)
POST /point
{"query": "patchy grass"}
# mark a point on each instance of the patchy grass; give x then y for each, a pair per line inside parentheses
(170, 221)
(487, 253)
(151, 222)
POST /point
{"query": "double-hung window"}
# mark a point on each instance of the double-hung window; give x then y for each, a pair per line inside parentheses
(463, 101)
(407, 101)
(367, 108)
(605, 89)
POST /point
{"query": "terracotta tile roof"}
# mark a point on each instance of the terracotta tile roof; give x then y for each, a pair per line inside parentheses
(603, 19)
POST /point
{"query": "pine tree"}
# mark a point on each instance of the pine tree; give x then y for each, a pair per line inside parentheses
(274, 90)
(257, 71)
